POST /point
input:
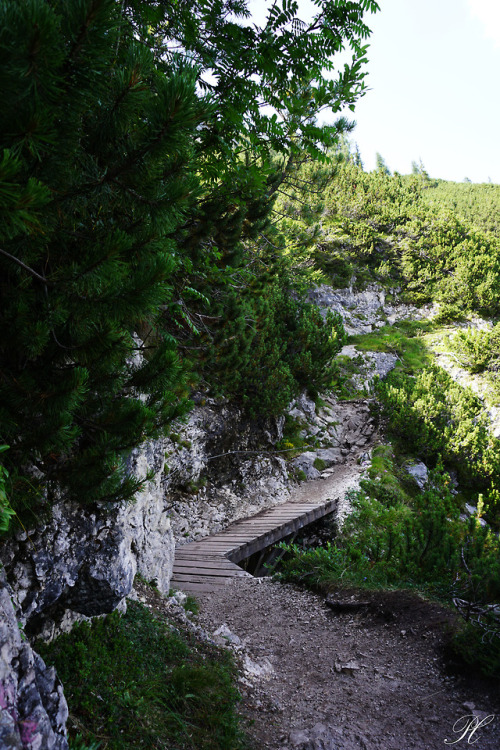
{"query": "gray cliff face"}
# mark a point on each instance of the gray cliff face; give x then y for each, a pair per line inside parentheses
(33, 710)
(363, 312)
(218, 470)
(81, 562)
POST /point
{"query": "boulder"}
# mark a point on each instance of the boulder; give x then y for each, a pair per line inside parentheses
(33, 710)
(419, 472)
(305, 462)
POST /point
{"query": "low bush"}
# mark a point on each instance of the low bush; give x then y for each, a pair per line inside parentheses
(432, 415)
(477, 350)
(132, 682)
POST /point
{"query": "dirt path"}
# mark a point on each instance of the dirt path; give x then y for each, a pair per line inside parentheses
(367, 679)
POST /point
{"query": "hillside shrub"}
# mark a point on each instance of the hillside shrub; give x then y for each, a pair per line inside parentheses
(432, 415)
(477, 350)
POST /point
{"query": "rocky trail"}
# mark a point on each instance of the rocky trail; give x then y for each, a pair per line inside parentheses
(367, 674)
(365, 671)
(371, 672)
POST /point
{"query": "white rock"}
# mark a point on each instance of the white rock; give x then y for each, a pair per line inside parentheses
(419, 472)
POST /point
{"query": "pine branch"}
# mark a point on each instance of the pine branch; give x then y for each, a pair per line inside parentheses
(26, 268)
(79, 42)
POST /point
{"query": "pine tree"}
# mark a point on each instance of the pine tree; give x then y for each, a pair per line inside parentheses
(95, 177)
(381, 166)
(131, 190)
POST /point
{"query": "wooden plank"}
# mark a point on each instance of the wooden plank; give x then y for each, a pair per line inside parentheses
(212, 580)
(220, 564)
(213, 546)
(188, 551)
(194, 573)
(181, 568)
(201, 556)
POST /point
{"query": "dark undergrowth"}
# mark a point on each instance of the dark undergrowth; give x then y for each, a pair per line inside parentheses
(132, 681)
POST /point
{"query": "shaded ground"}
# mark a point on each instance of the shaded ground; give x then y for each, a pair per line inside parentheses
(374, 675)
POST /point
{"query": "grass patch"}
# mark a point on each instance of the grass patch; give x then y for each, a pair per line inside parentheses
(408, 340)
(132, 682)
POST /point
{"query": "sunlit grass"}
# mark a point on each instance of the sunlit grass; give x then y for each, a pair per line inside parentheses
(409, 340)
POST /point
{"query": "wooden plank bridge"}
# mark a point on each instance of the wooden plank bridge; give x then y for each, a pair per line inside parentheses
(204, 565)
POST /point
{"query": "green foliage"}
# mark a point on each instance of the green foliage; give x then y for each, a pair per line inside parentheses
(478, 204)
(282, 64)
(270, 346)
(381, 166)
(191, 605)
(132, 682)
(477, 350)
(138, 166)
(432, 415)
(469, 644)
(92, 192)
(296, 439)
(6, 512)
(79, 744)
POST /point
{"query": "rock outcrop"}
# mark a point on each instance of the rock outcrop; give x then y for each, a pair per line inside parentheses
(33, 709)
(340, 429)
(81, 561)
(218, 470)
(363, 312)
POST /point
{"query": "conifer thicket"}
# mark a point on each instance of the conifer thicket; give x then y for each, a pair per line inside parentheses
(396, 230)
(137, 172)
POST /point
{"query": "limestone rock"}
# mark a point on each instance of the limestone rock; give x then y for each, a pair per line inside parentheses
(370, 365)
(33, 710)
(82, 560)
(419, 472)
(219, 471)
(366, 310)
(330, 456)
(305, 462)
